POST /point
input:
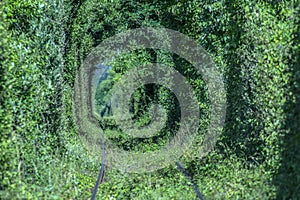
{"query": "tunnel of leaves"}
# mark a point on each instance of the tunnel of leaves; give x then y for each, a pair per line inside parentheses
(255, 44)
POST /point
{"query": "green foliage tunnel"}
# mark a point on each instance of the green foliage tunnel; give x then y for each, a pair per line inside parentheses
(255, 45)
